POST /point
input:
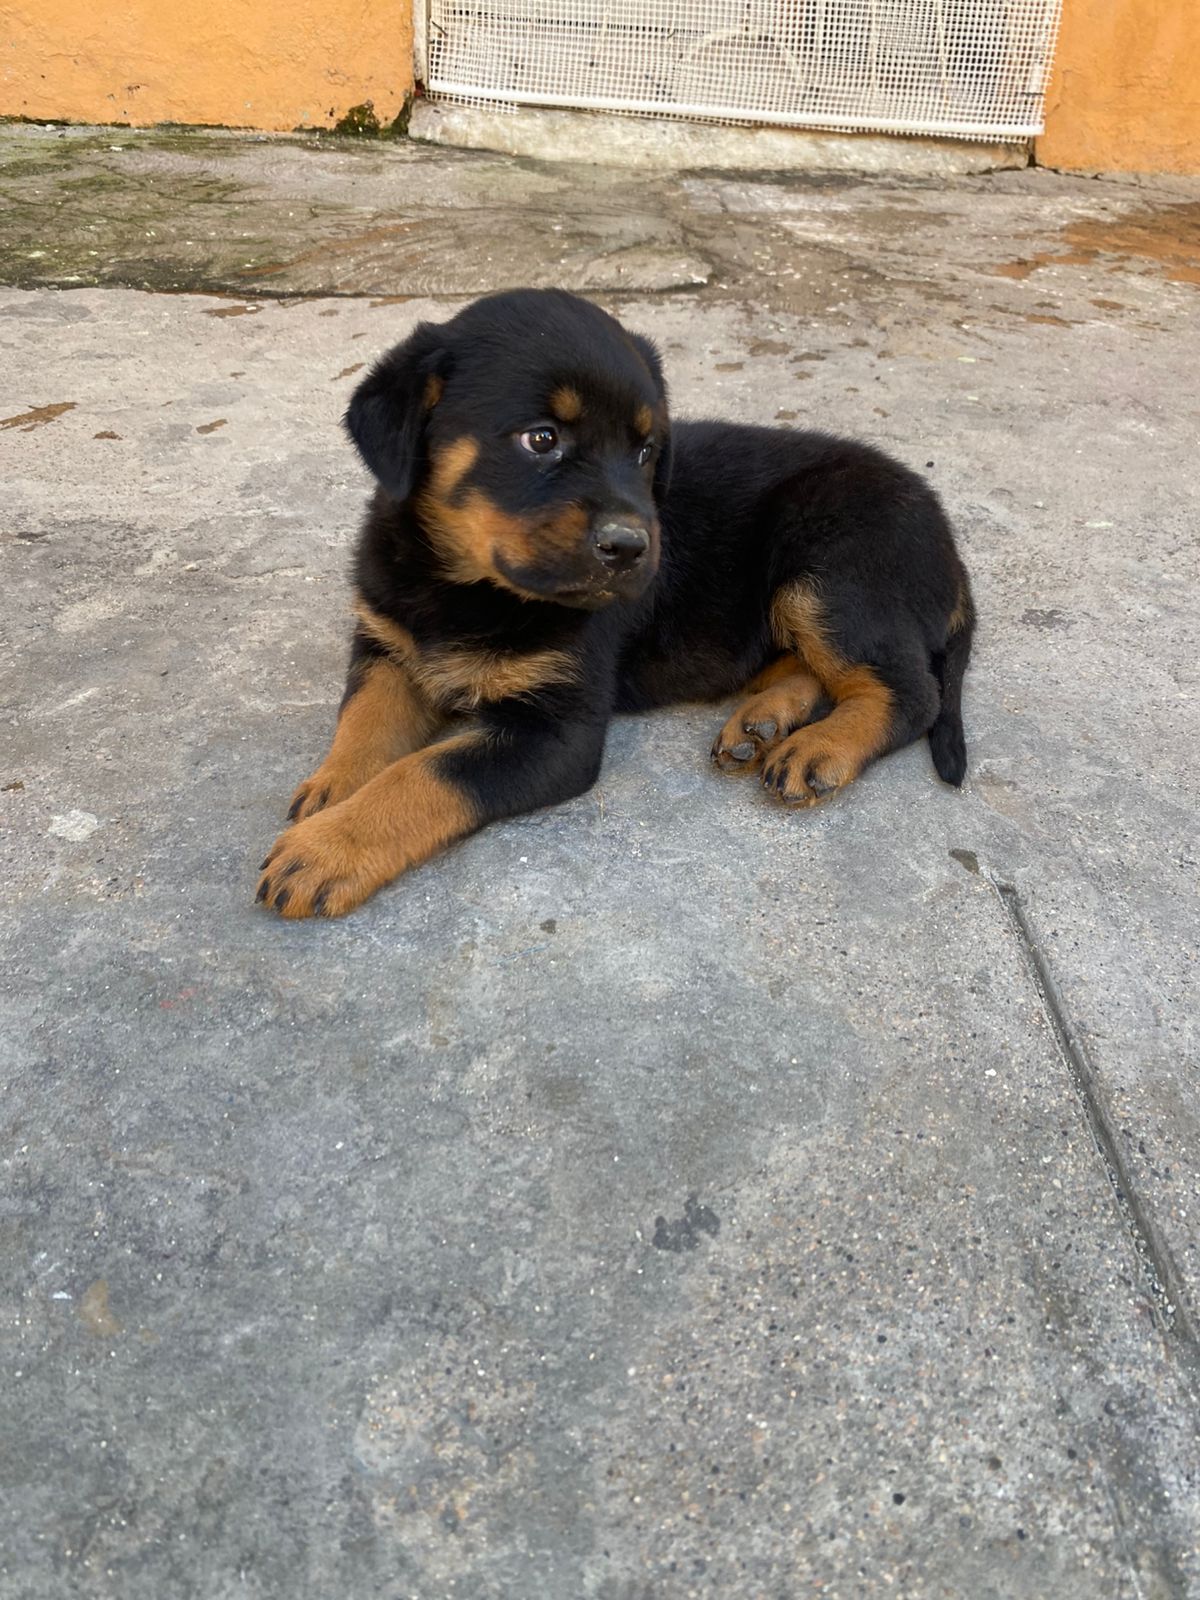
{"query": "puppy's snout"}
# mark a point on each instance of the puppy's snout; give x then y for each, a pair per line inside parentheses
(621, 545)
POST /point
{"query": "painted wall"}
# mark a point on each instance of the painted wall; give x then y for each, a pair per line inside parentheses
(1125, 92)
(1124, 95)
(277, 64)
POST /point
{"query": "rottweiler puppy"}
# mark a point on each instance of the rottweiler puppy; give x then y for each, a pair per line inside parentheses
(545, 548)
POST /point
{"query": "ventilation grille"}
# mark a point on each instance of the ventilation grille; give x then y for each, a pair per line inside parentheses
(974, 69)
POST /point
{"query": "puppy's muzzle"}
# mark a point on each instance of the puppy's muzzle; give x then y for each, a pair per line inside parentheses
(620, 546)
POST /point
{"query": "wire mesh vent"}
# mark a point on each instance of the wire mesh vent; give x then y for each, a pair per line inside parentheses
(975, 69)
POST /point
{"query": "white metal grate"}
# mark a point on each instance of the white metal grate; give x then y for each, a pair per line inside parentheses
(975, 69)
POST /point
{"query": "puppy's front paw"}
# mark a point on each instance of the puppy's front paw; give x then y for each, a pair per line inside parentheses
(322, 867)
(330, 784)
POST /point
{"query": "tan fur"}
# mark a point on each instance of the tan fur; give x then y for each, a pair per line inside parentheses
(332, 861)
(798, 623)
(643, 420)
(836, 749)
(450, 466)
(958, 617)
(470, 531)
(463, 680)
(386, 633)
(777, 671)
(567, 404)
(386, 717)
(787, 701)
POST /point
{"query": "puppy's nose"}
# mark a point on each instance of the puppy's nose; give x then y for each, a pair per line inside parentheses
(621, 544)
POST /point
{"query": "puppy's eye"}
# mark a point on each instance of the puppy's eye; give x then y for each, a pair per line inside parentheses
(646, 451)
(540, 441)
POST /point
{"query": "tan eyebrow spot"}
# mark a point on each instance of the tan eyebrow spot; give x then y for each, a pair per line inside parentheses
(433, 390)
(643, 419)
(567, 404)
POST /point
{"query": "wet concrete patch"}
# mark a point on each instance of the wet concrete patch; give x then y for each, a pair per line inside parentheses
(299, 217)
(1165, 241)
(251, 219)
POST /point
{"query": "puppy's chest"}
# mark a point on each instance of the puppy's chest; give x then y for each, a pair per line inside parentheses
(461, 678)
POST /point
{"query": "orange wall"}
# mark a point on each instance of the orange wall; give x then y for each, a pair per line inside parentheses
(1124, 95)
(1125, 92)
(277, 64)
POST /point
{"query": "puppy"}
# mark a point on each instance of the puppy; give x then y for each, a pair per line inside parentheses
(544, 549)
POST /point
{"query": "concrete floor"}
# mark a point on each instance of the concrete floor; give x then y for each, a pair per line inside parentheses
(660, 1196)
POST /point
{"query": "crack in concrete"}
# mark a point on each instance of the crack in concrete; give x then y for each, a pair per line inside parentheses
(1159, 1270)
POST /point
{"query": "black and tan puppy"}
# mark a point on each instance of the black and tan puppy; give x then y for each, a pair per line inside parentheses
(544, 549)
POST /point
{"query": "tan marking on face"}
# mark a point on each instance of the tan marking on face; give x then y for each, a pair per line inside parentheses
(567, 404)
(473, 535)
(450, 466)
(463, 526)
(434, 387)
(563, 531)
(468, 535)
(860, 724)
(386, 715)
(958, 617)
(643, 420)
(331, 862)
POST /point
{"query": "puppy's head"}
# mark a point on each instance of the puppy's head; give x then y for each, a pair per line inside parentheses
(531, 433)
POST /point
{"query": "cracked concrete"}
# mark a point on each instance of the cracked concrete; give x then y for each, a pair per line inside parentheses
(658, 1196)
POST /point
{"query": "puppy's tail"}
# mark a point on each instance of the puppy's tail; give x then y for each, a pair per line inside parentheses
(947, 742)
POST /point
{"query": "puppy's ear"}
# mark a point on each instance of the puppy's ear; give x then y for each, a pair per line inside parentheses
(389, 409)
(662, 467)
(649, 354)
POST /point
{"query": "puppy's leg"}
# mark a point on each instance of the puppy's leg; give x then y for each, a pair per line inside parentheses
(787, 697)
(518, 759)
(878, 704)
(383, 716)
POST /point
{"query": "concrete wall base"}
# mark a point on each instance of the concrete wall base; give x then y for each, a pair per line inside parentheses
(662, 142)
